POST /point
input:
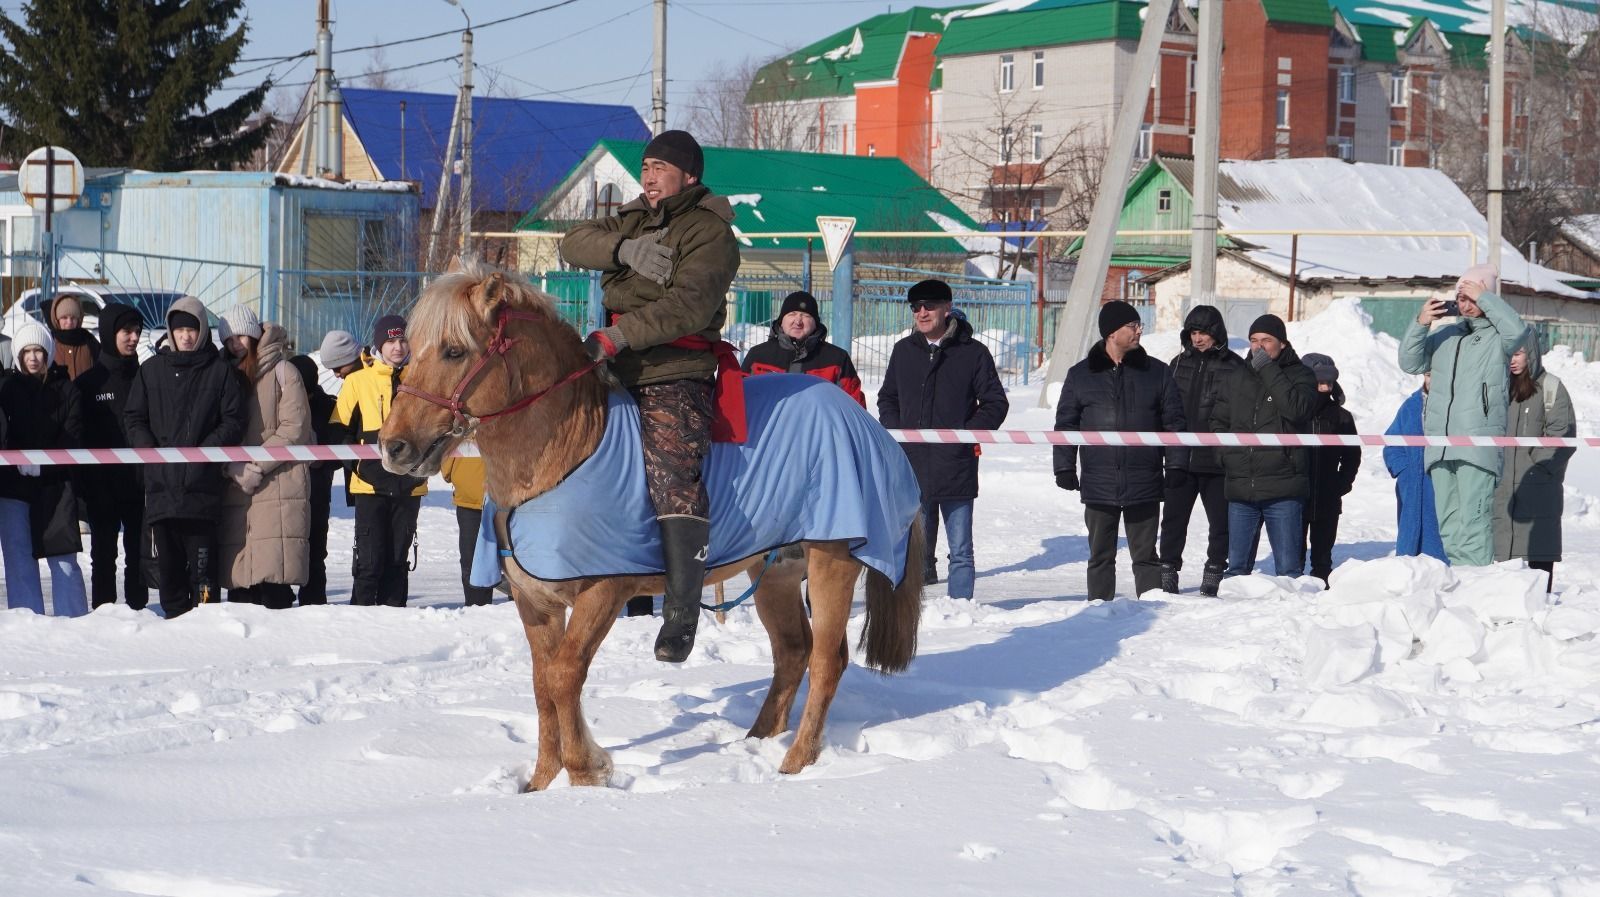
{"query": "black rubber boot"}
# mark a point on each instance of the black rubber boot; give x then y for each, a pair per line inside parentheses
(683, 545)
(1210, 580)
(1169, 579)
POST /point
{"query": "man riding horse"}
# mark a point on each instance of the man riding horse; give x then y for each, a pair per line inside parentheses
(668, 258)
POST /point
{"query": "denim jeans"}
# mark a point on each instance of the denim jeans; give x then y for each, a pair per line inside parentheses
(958, 536)
(1284, 532)
(23, 587)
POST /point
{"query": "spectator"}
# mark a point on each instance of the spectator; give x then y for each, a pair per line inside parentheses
(185, 396)
(1416, 517)
(1200, 370)
(668, 257)
(266, 510)
(466, 474)
(1275, 393)
(320, 475)
(38, 507)
(940, 376)
(386, 503)
(1119, 387)
(1528, 501)
(342, 355)
(1469, 362)
(7, 357)
(1333, 468)
(799, 345)
(76, 348)
(113, 493)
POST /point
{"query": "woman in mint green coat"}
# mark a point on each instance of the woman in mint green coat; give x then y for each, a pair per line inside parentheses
(1469, 363)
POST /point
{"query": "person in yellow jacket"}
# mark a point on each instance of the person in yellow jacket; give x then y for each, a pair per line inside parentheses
(466, 474)
(386, 503)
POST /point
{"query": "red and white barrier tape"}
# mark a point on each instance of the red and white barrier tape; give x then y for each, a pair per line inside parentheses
(982, 437)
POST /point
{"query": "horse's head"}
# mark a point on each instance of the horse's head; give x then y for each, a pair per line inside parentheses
(482, 338)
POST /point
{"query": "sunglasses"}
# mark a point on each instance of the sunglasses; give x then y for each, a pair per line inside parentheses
(926, 304)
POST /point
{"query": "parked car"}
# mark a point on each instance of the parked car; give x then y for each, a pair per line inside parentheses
(153, 306)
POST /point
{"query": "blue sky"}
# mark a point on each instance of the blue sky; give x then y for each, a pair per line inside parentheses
(591, 50)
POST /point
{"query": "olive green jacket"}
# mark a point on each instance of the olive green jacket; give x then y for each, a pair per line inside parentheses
(692, 301)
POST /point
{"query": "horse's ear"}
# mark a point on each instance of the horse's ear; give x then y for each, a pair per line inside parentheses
(492, 294)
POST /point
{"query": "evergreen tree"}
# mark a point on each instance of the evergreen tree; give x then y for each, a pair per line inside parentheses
(128, 82)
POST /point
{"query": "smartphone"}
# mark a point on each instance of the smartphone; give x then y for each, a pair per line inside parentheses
(1452, 309)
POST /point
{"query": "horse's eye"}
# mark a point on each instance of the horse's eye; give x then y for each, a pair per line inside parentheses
(454, 353)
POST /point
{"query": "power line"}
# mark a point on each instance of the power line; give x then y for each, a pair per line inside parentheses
(412, 40)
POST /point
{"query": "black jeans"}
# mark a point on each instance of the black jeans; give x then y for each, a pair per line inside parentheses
(1321, 535)
(315, 591)
(107, 518)
(385, 528)
(1140, 522)
(467, 522)
(185, 553)
(1207, 487)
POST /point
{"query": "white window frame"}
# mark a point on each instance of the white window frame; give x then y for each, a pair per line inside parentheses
(1164, 200)
(1007, 141)
(1346, 149)
(1008, 72)
(1146, 142)
(1038, 69)
(1519, 100)
(1399, 87)
(1036, 135)
(1191, 71)
(1281, 107)
(1036, 208)
(1397, 152)
(1347, 84)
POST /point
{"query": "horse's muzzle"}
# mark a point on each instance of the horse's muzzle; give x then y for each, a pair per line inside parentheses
(406, 458)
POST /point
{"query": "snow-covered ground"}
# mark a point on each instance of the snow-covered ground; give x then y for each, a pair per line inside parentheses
(1408, 732)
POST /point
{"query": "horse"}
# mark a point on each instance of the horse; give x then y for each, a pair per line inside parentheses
(552, 409)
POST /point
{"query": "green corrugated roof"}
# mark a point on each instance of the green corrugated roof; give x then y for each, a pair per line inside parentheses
(1299, 12)
(881, 193)
(1377, 42)
(830, 67)
(1046, 23)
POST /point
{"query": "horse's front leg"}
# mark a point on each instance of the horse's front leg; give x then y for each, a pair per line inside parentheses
(544, 631)
(833, 574)
(593, 613)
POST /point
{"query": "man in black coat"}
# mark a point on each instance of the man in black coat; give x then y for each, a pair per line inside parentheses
(940, 377)
(799, 345)
(113, 493)
(1268, 485)
(1200, 369)
(315, 590)
(1119, 387)
(185, 396)
(1333, 467)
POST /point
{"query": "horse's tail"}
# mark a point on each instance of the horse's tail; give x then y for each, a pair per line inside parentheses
(893, 612)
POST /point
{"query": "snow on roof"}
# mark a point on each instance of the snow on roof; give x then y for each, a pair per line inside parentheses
(1329, 194)
(1583, 231)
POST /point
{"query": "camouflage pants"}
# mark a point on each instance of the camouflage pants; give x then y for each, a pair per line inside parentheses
(675, 427)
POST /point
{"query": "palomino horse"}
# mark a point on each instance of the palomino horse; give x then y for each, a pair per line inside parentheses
(486, 339)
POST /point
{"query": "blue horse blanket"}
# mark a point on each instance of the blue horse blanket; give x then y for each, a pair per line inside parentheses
(815, 467)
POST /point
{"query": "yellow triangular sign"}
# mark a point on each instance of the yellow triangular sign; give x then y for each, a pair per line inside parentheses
(836, 232)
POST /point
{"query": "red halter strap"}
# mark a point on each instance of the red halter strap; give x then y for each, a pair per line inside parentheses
(499, 345)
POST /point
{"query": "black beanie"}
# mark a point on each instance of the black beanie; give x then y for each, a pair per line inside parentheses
(116, 316)
(800, 300)
(929, 291)
(178, 319)
(387, 328)
(1115, 315)
(1271, 325)
(678, 148)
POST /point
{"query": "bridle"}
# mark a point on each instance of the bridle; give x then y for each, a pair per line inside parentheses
(499, 345)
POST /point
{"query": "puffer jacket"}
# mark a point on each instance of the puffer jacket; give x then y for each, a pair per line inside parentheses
(266, 510)
(1138, 395)
(693, 301)
(1279, 398)
(1469, 361)
(43, 414)
(185, 399)
(951, 385)
(813, 355)
(1528, 501)
(466, 474)
(363, 405)
(1333, 467)
(1199, 375)
(105, 389)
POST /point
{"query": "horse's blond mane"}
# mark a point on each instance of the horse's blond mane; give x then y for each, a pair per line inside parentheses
(441, 316)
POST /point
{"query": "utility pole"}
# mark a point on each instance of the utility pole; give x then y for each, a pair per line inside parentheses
(466, 138)
(1076, 328)
(1497, 125)
(658, 96)
(321, 123)
(1207, 157)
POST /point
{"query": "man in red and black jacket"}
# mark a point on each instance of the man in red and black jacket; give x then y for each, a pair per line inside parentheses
(799, 345)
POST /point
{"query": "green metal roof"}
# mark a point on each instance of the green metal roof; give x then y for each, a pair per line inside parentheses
(783, 192)
(831, 67)
(1377, 42)
(1467, 17)
(1299, 12)
(1045, 23)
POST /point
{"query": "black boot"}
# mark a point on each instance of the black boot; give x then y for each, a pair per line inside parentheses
(1169, 578)
(1210, 580)
(684, 541)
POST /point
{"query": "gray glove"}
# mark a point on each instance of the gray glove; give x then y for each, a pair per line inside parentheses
(1259, 358)
(647, 256)
(28, 470)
